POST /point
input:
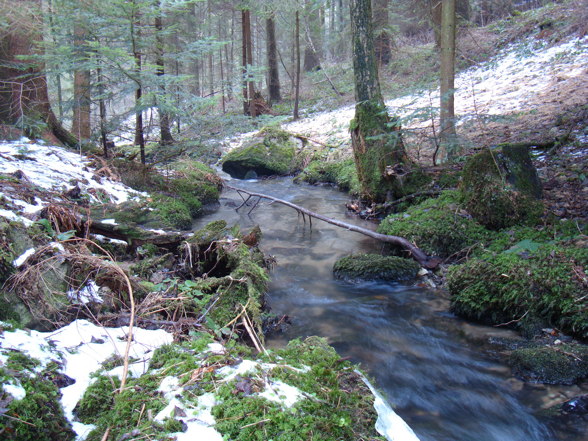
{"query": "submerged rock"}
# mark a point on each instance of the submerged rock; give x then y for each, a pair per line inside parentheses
(375, 267)
(563, 364)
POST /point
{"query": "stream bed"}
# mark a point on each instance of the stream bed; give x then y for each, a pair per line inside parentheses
(428, 363)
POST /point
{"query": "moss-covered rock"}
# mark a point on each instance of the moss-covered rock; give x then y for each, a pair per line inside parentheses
(533, 287)
(438, 226)
(343, 174)
(375, 267)
(272, 152)
(500, 187)
(562, 364)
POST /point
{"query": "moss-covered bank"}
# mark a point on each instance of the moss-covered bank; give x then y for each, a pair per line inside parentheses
(530, 285)
(302, 391)
(439, 226)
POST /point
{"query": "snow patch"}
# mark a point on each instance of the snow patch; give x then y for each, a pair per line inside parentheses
(88, 294)
(16, 390)
(20, 260)
(389, 424)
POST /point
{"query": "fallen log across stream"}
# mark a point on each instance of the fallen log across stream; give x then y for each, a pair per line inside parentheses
(429, 262)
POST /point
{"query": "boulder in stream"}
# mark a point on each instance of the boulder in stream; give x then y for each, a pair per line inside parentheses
(375, 267)
(272, 152)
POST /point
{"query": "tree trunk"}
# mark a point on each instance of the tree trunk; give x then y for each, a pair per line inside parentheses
(383, 39)
(313, 50)
(377, 144)
(448, 141)
(24, 99)
(272, 62)
(81, 125)
(139, 130)
(164, 119)
(297, 44)
(248, 84)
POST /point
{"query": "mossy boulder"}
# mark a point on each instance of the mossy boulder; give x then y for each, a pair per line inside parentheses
(438, 226)
(343, 174)
(375, 267)
(500, 187)
(532, 287)
(561, 364)
(272, 152)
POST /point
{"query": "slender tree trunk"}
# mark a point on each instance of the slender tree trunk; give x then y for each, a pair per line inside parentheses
(383, 39)
(222, 73)
(447, 92)
(24, 99)
(81, 125)
(102, 108)
(139, 129)
(248, 85)
(164, 118)
(58, 85)
(376, 141)
(244, 25)
(297, 93)
(312, 27)
(272, 62)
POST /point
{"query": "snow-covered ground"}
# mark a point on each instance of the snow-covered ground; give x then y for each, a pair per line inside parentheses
(507, 84)
(53, 170)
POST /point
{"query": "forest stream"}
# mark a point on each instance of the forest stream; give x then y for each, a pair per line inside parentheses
(427, 362)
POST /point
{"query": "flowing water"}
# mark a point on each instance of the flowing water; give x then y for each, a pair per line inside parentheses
(427, 362)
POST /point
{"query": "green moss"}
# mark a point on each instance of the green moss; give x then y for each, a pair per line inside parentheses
(176, 197)
(98, 399)
(542, 286)
(500, 187)
(437, 226)
(212, 231)
(343, 174)
(125, 411)
(375, 267)
(174, 212)
(227, 275)
(337, 404)
(271, 152)
(38, 416)
(563, 364)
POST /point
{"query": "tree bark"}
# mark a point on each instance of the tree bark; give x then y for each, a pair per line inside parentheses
(272, 62)
(24, 99)
(383, 39)
(297, 44)
(166, 137)
(81, 125)
(139, 130)
(377, 144)
(447, 92)
(247, 49)
(416, 253)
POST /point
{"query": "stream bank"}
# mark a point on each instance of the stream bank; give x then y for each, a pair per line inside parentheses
(427, 361)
